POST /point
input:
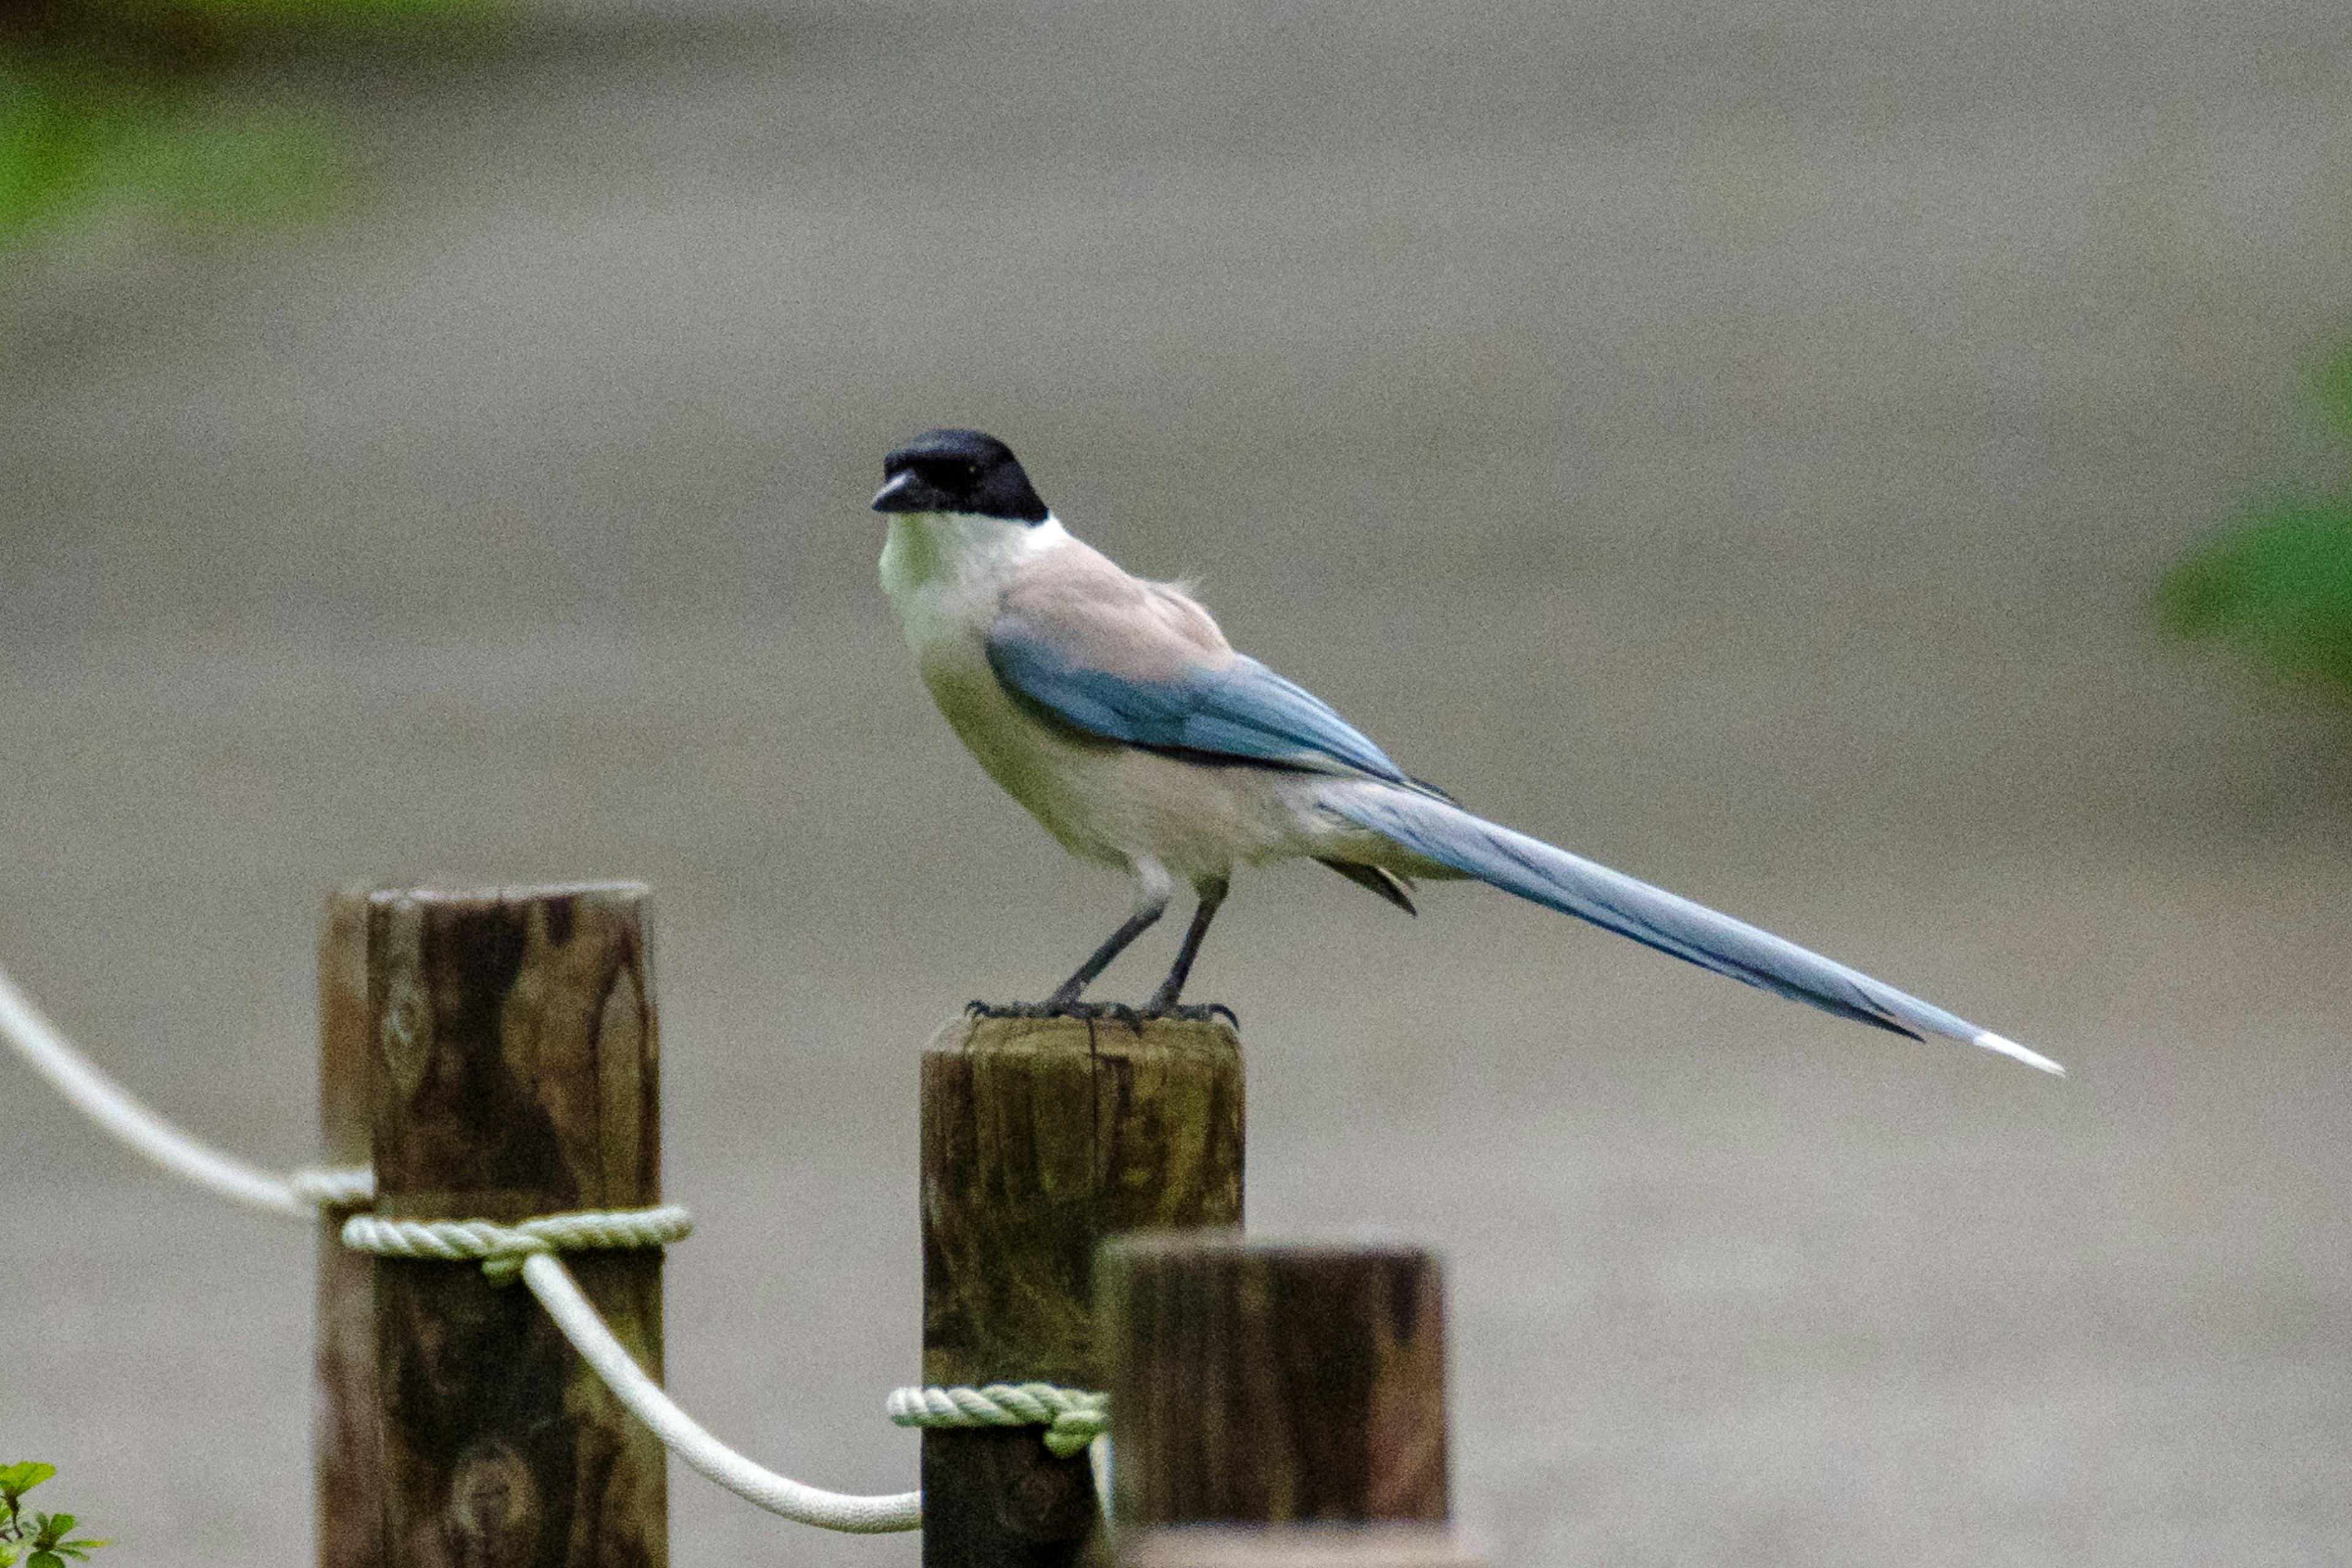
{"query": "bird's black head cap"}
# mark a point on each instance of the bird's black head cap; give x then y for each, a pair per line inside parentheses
(959, 471)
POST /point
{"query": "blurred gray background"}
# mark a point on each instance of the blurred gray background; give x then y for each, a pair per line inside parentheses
(1731, 438)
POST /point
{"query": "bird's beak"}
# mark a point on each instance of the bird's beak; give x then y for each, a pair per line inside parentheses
(898, 494)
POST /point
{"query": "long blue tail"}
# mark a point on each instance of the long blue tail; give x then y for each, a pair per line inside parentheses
(1574, 886)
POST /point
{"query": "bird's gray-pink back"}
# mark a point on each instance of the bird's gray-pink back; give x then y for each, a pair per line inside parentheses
(1106, 619)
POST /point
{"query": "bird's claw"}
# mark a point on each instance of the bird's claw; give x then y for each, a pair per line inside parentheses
(1134, 1017)
(1193, 1013)
(1038, 1009)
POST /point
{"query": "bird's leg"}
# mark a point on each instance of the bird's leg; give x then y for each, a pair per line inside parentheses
(1066, 994)
(1150, 903)
(1211, 895)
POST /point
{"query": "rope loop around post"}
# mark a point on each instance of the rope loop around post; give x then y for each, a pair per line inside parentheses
(1072, 1417)
(501, 1249)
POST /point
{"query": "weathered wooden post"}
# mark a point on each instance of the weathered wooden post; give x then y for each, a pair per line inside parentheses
(348, 1512)
(1276, 1404)
(1041, 1137)
(514, 1073)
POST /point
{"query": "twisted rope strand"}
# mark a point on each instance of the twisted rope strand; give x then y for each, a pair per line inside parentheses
(1072, 1417)
(501, 1249)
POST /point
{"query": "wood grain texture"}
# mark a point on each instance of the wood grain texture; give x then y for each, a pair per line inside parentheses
(1257, 1384)
(347, 1506)
(1040, 1137)
(515, 1070)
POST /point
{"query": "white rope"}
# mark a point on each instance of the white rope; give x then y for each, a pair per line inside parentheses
(1072, 1417)
(335, 1186)
(501, 1249)
(112, 1107)
(530, 1248)
(552, 1284)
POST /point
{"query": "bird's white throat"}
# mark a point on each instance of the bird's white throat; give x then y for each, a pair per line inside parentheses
(932, 552)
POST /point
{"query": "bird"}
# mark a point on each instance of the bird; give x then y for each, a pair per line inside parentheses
(1115, 711)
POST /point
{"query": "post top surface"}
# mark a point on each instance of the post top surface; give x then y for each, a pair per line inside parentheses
(966, 1033)
(513, 893)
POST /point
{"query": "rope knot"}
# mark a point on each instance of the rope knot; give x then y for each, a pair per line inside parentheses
(505, 1260)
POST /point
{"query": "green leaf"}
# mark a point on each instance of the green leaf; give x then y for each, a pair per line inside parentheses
(54, 1527)
(15, 1481)
(2277, 585)
(2335, 388)
(45, 1559)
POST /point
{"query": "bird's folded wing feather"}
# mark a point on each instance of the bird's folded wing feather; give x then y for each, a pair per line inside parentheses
(1138, 662)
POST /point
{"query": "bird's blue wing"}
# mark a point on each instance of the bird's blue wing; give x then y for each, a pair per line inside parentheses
(1240, 710)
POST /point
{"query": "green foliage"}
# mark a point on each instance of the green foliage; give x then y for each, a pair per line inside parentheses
(254, 167)
(2334, 384)
(138, 102)
(48, 1536)
(341, 14)
(2276, 584)
(69, 138)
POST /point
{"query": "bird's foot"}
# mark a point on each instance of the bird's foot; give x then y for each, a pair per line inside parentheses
(1054, 1008)
(1117, 1012)
(1194, 1012)
(1048, 1008)
(1163, 1005)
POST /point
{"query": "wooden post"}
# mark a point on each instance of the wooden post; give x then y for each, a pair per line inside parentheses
(1296, 1391)
(515, 1070)
(347, 1508)
(1042, 1136)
